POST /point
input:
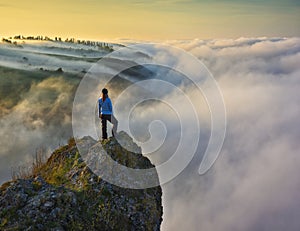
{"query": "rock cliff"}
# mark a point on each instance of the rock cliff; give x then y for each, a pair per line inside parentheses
(64, 194)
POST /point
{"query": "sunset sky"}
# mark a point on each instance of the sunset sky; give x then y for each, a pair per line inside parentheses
(155, 19)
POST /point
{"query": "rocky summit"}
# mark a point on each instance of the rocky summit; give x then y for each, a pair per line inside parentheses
(64, 194)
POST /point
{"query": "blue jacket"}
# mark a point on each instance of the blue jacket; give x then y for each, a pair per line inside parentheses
(105, 108)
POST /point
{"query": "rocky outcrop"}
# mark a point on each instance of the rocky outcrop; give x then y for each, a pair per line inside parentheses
(64, 194)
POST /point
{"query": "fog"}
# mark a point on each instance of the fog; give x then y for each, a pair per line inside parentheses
(254, 184)
(41, 118)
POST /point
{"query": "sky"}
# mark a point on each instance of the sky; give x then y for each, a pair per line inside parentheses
(151, 20)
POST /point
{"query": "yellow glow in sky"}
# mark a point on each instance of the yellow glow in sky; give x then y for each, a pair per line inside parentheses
(147, 20)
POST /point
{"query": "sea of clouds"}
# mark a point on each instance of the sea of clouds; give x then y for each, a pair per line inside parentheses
(253, 185)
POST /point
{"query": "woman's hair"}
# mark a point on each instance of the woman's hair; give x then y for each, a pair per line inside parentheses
(104, 95)
(104, 91)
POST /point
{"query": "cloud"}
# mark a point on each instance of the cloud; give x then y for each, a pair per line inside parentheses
(254, 184)
(40, 118)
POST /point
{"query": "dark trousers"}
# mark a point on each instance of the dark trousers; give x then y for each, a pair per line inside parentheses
(112, 120)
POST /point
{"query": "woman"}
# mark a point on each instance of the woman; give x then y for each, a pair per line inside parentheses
(106, 113)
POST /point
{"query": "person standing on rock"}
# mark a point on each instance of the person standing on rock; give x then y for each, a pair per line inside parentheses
(106, 113)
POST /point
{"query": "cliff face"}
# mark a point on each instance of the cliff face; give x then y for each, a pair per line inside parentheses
(64, 194)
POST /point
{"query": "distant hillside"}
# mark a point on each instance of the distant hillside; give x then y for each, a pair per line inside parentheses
(43, 53)
(63, 194)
